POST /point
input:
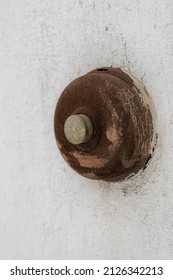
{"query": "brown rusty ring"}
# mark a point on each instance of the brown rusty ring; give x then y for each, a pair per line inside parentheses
(123, 130)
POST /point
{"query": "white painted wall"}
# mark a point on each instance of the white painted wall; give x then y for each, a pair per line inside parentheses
(47, 211)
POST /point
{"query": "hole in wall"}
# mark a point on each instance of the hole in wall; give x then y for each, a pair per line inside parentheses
(102, 69)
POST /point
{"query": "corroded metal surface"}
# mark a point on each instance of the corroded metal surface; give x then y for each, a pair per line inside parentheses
(122, 136)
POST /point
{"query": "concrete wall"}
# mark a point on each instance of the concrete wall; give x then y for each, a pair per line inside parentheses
(47, 211)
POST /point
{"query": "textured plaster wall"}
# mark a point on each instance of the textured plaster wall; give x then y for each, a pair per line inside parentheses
(47, 211)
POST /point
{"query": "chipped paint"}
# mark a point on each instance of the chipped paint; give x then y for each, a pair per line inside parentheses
(89, 161)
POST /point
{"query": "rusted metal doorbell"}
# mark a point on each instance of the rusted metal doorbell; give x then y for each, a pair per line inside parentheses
(104, 125)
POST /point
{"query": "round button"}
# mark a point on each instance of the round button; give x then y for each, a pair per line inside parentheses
(104, 125)
(78, 129)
